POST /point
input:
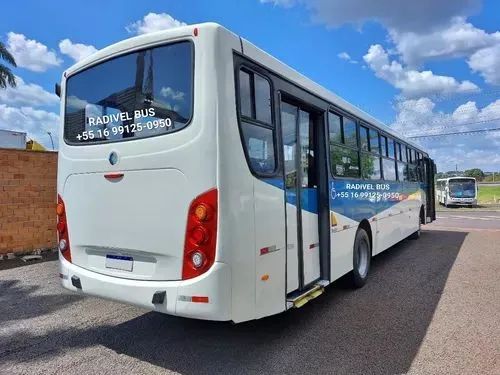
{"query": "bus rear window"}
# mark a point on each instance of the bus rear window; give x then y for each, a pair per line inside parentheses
(141, 94)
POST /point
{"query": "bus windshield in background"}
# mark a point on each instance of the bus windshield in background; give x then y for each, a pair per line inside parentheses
(463, 188)
(141, 94)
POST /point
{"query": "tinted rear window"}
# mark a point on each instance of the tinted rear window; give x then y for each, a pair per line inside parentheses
(141, 94)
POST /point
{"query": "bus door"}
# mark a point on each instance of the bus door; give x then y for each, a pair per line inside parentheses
(430, 192)
(301, 196)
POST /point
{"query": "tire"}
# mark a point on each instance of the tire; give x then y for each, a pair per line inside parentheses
(416, 235)
(362, 254)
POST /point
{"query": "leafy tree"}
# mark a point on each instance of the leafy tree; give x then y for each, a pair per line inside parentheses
(474, 172)
(6, 75)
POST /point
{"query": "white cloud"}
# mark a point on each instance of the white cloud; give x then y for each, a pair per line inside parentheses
(27, 94)
(458, 39)
(35, 122)
(75, 102)
(413, 83)
(419, 116)
(419, 15)
(345, 56)
(153, 22)
(283, 3)
(31, 54)
(420, 30)
(76, 51)
(487, 63)
(168, 92)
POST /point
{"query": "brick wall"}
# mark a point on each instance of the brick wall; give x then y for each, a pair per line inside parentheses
(27, 200)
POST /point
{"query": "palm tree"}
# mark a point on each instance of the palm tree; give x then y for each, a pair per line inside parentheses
(6, 75)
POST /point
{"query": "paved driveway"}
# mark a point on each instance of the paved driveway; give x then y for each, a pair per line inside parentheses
(431, 306)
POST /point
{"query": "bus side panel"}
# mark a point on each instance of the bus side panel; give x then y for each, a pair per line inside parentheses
(270, 251)
(342, 233)
(236, 240)
(342, 250)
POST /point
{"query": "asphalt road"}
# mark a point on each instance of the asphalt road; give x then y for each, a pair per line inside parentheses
(472, 220)
(431, 306)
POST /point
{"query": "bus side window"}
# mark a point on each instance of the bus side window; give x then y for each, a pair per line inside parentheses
(262, 99)
(257, 122)
(245, 94)
(344, 153)
(260, 148)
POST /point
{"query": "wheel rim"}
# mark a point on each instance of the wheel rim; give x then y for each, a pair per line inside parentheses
(363, 256)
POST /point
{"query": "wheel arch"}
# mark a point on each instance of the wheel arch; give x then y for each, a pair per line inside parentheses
(365, 224)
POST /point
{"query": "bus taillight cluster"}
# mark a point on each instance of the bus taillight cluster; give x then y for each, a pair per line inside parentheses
(201, 235)
(62, 230)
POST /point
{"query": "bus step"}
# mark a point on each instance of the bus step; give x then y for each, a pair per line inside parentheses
(304, 297)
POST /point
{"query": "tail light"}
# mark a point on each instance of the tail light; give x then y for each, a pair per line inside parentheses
(62, 230)
(201, 235)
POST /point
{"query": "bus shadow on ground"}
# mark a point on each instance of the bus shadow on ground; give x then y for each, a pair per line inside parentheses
(376, 329)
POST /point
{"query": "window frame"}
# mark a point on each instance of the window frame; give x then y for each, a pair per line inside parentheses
(246, 67)
(372, 129)
(122, 54)
(361, 128)
(336, 112)
(269, 75)
(253, 119)
(383, 169)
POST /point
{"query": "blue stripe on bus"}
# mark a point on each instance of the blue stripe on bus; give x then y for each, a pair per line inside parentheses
(309, 196)
(365, 200)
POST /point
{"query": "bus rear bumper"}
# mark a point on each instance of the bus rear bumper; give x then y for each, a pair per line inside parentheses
(211, 291)
(461, 202)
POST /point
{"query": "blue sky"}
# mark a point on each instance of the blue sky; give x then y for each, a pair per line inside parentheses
(422, 67)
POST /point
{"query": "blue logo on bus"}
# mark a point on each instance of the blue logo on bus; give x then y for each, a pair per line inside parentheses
(113, 158)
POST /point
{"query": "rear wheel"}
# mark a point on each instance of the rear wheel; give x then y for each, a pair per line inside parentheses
(361, 259)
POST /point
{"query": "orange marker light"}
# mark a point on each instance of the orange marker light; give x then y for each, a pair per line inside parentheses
(199, 299)
(60, 209)
(265, 277)
(201, 212)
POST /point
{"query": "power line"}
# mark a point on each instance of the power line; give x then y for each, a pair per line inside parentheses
(454, 133)
(445, 127)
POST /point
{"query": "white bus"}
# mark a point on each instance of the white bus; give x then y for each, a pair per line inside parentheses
(456, 191)
(201, 177)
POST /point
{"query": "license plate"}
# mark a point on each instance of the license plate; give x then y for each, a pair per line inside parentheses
(119, 262)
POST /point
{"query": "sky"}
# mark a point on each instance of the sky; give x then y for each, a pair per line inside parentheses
(422, 67)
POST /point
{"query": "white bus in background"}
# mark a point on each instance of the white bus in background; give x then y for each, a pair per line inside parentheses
(456, 191)
(201, 177)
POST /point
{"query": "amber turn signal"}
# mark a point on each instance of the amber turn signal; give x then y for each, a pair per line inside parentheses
(60, 209)
(201, 212)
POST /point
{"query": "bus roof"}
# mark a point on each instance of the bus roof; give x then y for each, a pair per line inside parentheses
(299, 79)
(456, 178)
(249, 50)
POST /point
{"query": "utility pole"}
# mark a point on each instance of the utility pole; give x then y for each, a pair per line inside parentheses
(51, 140)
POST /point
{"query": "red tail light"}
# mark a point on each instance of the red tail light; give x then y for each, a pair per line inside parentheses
(62, 230)
(201, 235)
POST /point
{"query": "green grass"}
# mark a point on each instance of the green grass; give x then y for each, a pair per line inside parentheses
(489, 194)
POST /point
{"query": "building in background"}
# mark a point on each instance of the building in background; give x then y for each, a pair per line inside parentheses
(18, 140)
(12, 139)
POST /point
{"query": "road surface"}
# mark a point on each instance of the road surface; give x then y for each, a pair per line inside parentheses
(472, 221)
(431, 306)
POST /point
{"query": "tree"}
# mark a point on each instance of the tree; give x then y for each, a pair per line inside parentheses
(474, 172)
(6, 75)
